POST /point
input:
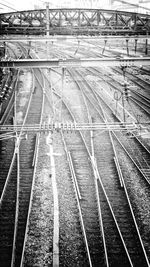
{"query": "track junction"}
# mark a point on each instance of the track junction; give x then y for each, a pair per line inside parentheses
(74, 164)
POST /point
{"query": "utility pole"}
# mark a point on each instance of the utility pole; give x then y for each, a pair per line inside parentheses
(47, 28)
(47, 18)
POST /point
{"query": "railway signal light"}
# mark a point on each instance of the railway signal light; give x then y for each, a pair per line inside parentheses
(126, 92)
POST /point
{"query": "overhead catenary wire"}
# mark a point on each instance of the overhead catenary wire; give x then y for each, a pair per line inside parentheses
(133, 5)
(8, 6)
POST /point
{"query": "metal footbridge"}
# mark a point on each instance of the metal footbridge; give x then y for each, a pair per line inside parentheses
(71, 21)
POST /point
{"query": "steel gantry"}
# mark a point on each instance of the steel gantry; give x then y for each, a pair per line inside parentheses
(70, 126)
(77, 63)
(74, 22)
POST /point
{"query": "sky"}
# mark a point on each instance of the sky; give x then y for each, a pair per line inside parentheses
(16, 4)
(29, 4)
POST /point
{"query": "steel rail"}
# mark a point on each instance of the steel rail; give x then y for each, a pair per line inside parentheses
(147, 150)
(18, 179)
(145, 98)
(141, 100)
(3, 137)
(95, 171)
(120, 120)
(137, 102)
(134, 136)
(95, 180)
(56, 229)
(113, 215)
(35, 150)
(115, 158)
(125, 110)
(132, 76)
(78, 83)
(78, 201)
(6, 113)
(133, 133)
(17, 203)
(132, 212)
(132, 159)
(55, 194)
(7, 179)
(10, 104)
(122, 183)
(98, 199)
(98, 178)
(94, 94)
(74, 175)
(87, 149)
(35, 160)
(131, 209)
(134, 99)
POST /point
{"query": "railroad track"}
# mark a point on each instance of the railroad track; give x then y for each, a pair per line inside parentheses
(108, 227)
(140, 146)
(144, 85)
(134, 243)
(109, 177)
(112, 252)
(87, 202)
(9, 89)
(85, 191)
(135, 97)
(89, 218)
(18, 188)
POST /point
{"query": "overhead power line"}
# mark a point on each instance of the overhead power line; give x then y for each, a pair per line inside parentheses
(134, 5)
(8, 7)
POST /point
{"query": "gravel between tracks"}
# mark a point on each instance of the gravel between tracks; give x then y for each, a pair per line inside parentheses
(39, 241)
(25, 86)
(71, 241)
(39, 246)
(139, 196)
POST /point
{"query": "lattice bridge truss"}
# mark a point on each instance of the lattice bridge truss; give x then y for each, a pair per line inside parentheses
(74, 22)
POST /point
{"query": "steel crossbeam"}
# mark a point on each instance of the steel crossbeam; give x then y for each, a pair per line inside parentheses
(74, 22)
(68, 63)
(69, 126)
(58, 38)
